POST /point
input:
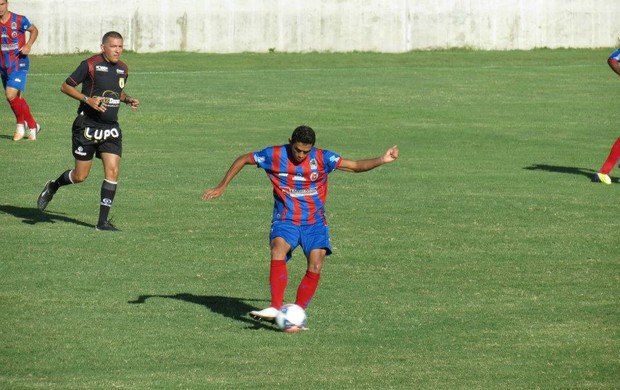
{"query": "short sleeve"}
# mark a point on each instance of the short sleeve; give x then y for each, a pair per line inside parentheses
(25, 24)
(331, 160)
(78, 75)
(262, 158)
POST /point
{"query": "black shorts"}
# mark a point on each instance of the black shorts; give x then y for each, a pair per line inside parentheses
(92, 138)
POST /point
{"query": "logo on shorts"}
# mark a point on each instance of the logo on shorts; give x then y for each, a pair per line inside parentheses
(100, 135)
(80, 151)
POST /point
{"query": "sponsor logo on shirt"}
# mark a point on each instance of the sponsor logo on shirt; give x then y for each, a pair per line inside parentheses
(101, 68)
(110, 99)
(300, 193)
(9, 47)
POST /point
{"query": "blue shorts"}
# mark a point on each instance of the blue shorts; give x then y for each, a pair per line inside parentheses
(16, 79)
(309, 237)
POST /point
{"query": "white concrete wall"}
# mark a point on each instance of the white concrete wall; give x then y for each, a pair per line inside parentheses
(229, 26)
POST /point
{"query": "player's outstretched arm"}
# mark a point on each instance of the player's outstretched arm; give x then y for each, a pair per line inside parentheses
(366, 165)
(235, 168)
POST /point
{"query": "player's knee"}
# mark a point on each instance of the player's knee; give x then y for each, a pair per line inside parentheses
(315, 268)
(11, 94)
(78, 177)
(111, 174)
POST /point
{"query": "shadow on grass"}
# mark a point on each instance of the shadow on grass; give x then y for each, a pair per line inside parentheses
(234, 308)
(589, 173)
(32, 215)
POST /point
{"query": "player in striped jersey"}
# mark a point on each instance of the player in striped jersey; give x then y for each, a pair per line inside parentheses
(602, 176)
(298, 172)
(14, 65)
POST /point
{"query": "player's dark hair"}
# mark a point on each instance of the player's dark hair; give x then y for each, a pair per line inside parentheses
(304, 135)
(110, 34)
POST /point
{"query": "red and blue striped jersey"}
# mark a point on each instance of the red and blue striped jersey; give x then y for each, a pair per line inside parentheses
(13, 39)
(299, 190)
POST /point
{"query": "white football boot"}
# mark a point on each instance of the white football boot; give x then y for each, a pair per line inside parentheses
(32, 135)
(268, 314)
(20, 131)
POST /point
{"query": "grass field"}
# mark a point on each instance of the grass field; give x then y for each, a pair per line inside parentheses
(483, 258)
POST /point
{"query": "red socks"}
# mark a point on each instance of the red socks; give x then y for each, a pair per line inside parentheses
(28, 118)
(306, 289)
(278, 279)
(22, 112)
(614, 155)
(16, 106)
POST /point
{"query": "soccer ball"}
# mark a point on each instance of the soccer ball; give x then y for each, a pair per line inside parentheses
(291, 318)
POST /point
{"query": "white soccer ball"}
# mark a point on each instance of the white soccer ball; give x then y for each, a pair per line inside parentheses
(291, 318)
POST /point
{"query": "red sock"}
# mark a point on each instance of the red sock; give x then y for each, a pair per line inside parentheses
(614, 155)
(16, 106)
(306, 289)
(28, 118)
(278, 279)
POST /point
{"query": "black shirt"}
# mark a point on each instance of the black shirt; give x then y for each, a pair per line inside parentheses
(100, 78)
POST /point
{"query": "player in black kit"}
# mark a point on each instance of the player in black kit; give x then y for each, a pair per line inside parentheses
(96, 131)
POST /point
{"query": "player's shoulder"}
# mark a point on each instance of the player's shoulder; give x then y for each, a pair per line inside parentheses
(94, 59)
(123, 66)
(326, 152)
(17, 16)
(276, 149)
(23, 21)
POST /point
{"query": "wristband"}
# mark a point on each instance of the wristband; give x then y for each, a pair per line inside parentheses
(85, 99)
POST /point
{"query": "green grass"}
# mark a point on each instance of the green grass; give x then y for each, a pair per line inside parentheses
(483, 258)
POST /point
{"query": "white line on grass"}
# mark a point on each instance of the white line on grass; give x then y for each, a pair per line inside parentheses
(252, 71)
